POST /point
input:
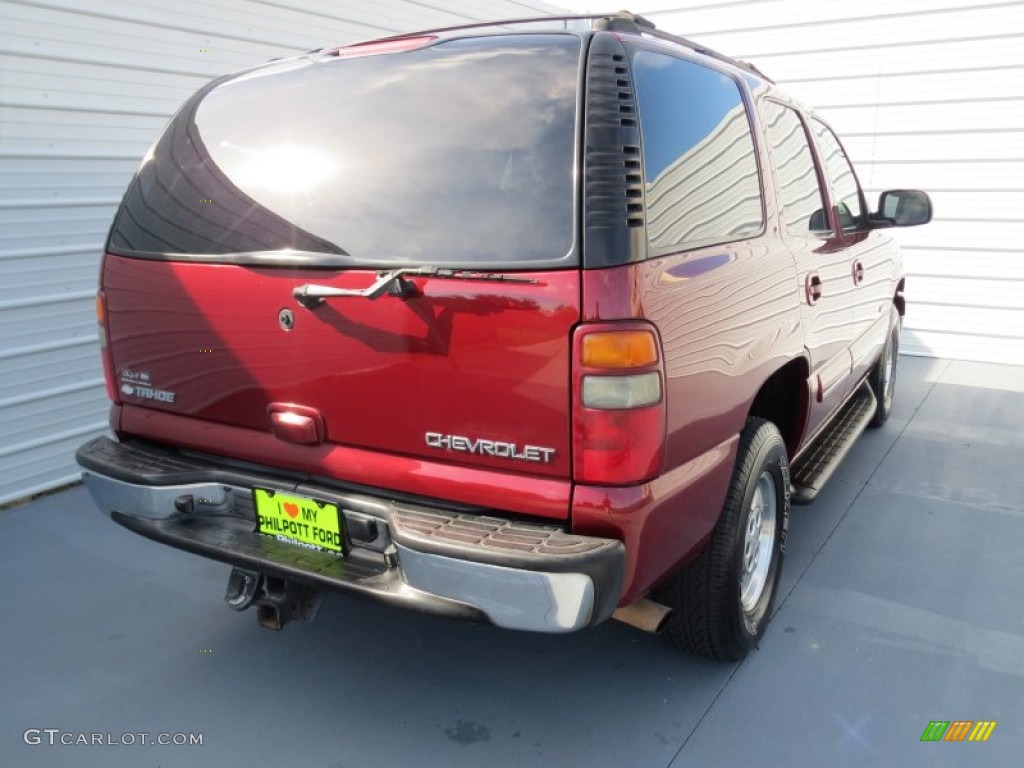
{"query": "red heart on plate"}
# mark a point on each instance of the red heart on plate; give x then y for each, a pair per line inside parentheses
(291, 509)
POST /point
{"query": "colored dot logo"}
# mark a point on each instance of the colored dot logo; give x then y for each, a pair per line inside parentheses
(206, 650)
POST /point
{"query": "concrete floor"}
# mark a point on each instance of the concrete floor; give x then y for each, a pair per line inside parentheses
(901, 604)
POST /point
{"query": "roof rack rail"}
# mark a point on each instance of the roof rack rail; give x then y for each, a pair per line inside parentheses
(623, 21)
(643, 26)
(494, 23)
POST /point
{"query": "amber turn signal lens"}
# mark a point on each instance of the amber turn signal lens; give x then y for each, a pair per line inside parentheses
(101, 309)
(619, 349)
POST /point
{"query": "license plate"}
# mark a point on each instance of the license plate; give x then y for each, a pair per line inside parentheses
(299, 520)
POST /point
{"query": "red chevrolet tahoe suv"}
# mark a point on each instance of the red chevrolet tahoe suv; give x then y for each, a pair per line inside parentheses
(520, 324)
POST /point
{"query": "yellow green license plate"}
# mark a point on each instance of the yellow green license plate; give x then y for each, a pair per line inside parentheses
(299, 520)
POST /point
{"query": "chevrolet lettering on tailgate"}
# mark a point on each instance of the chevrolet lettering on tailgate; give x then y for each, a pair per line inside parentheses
(502, 450)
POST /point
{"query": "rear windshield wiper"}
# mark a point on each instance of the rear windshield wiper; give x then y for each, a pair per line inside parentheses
(393, 282)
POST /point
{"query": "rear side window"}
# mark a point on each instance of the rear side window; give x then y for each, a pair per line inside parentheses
(802, 203)
(460, 153)
(700, 169)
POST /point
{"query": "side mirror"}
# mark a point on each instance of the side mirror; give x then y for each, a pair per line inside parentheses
(903, 208)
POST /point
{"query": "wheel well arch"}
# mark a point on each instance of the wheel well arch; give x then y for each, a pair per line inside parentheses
(783, 400)
(898, 299)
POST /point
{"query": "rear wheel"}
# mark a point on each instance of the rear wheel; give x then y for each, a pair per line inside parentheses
(722, 601)
(883, 376)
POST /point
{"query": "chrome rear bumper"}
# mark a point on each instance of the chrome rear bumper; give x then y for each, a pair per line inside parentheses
(454, 562)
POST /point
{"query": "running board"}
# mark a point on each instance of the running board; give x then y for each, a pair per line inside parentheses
(815, 466)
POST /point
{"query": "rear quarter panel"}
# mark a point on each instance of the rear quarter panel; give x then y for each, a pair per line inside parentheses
(727, 317)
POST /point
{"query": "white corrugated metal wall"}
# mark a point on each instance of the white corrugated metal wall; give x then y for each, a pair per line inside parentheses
(926, 94)
(85, 87)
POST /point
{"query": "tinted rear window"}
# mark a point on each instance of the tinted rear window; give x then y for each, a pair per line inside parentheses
(459, 153)
(700, 169)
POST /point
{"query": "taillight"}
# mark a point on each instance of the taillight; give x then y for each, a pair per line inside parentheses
(103, 332)
(618, 404)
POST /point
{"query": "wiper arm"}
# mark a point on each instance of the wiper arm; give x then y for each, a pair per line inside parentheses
(393, 282)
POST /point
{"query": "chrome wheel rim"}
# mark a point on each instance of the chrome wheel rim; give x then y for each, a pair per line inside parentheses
(758, 542)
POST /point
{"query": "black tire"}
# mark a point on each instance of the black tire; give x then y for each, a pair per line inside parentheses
(711, 615)
(883, 376)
